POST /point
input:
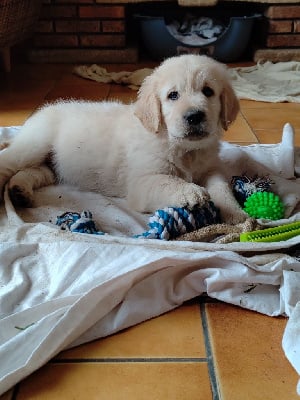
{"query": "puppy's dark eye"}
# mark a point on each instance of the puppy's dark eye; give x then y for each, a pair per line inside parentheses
(173, 95)
(207, 91)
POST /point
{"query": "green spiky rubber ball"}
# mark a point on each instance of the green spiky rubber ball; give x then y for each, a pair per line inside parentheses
(264, 205)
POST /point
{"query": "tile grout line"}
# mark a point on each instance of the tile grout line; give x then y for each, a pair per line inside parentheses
(129, 360)
(210, 361)
(250, 126)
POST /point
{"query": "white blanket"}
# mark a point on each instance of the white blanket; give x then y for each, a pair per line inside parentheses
(59, 289)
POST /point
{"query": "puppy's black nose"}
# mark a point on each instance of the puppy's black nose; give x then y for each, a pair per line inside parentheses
(194, 118)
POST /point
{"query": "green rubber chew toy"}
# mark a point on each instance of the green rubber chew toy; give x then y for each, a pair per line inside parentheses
(264, 205)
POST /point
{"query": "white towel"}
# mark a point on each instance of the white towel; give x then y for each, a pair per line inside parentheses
(270, 82)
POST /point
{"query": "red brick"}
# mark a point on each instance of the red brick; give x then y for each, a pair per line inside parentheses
(99, 11)
(297, 26)
(64, 26)
(57, 41)
(283, 41)
(77, 26)
(110, 26)
(58, 11)
(102, 40)
(123, 1)
(44, 26)
(91, 56)
(280, 26)
(74, 1)
(282, 12)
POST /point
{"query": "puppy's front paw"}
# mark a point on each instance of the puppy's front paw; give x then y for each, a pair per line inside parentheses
(190, 196)
(233, 216)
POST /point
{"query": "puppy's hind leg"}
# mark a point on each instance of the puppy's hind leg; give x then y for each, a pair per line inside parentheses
(23, 183)
(28, 149)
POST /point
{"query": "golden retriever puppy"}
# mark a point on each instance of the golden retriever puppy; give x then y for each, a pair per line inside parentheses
(160, 151)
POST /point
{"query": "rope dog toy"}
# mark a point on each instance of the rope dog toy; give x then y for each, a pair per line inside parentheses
(244, 186)
(75, 222)
(171, 222)
(165, 224)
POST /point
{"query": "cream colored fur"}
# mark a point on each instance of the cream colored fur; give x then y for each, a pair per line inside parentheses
(149, 151)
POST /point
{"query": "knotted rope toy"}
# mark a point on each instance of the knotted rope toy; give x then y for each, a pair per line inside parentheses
(75, 222)
(243, 186)
(165, 224)
(220, 233)
(171, 222)
(255, 196)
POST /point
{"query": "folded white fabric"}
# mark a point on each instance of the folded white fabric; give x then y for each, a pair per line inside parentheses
(291, 337)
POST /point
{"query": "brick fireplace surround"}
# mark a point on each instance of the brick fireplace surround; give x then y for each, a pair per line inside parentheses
(81, 31)
(88, 31)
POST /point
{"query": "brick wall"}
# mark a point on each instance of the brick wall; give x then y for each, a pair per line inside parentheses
(278, 37)
(81, 31)
(283, 26)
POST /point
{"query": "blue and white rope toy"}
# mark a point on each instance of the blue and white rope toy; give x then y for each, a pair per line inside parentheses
(171, 222)
(244, 186)
(165, 224)
(75, 222)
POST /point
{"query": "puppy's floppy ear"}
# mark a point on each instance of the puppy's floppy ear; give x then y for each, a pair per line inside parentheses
(147, 106)
(230, 106)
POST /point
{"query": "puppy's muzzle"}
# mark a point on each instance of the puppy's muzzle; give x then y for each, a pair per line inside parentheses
(194, 124)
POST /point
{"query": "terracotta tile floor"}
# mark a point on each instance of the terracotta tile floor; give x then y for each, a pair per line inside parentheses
(203, 350)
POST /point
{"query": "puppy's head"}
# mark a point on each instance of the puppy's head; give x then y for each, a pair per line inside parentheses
(189, 98)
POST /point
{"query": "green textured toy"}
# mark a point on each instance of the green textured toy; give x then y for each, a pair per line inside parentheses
(264, 205)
